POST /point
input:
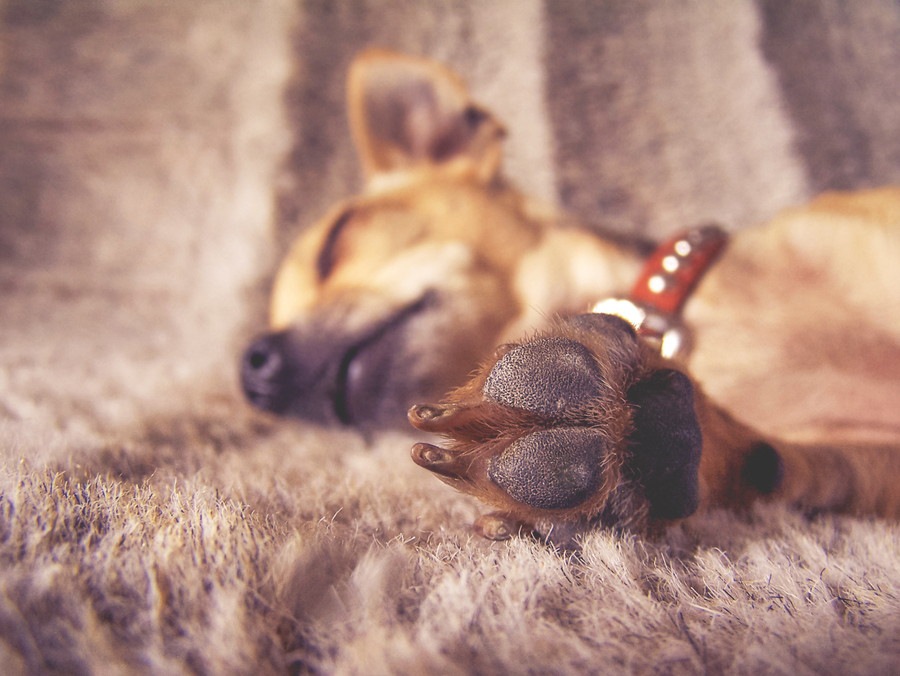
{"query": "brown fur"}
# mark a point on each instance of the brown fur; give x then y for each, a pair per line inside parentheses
(796, 329)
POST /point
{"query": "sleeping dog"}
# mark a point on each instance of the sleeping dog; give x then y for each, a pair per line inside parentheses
(584, 418)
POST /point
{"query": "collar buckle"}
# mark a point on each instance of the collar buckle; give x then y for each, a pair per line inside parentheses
(666, 282)
(666, 332)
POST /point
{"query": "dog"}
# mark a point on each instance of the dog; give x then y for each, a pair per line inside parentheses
(789, 390)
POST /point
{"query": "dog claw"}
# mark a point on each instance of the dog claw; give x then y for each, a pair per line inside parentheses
(426, 412)
(496, 526)
(438, 460)
(430, 416)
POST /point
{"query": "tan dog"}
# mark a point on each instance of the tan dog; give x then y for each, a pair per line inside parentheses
(397, 294)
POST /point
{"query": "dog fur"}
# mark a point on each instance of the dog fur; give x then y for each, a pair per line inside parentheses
(399, 292)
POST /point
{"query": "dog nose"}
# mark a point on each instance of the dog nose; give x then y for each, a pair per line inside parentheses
(264, 373)
(263, 360)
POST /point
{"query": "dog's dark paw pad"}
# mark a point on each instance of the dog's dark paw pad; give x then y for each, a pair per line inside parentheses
(557, 468)
(763, 469)
(666, 443)
(548, 376)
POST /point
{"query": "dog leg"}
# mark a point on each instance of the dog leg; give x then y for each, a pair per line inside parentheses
(739, 466)
(586, 425)
(857, 479)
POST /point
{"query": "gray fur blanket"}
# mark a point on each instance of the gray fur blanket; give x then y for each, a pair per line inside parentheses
(155, 161)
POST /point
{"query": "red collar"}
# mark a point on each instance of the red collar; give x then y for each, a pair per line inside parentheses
(666, 282)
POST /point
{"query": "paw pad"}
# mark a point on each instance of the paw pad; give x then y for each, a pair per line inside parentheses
(548, 376)
(551, 469)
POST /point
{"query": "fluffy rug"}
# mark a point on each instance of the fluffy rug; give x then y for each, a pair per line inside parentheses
(156, 160)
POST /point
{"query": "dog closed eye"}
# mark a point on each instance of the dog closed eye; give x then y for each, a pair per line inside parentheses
(328, 255)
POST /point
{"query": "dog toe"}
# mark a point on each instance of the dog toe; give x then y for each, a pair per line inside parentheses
(453, 419)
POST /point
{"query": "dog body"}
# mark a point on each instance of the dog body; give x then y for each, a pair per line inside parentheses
(399, 293)
(797, 326)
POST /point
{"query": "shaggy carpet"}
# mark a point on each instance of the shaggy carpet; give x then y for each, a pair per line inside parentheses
(156, 159)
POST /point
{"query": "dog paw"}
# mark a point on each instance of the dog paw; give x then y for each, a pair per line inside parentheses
(581, 426)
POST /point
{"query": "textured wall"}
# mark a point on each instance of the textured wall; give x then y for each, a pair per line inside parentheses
(140, 148)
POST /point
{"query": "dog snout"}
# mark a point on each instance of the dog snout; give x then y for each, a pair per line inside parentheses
(265, 373)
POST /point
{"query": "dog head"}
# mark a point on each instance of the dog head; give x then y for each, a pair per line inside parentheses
(398, 293)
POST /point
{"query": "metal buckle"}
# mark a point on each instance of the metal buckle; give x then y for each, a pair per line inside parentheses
(670, 336)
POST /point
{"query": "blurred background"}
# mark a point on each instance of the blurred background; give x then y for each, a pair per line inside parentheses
(156, 158)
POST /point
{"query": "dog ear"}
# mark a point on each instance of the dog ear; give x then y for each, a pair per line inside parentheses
(666, 443)
(407, 112)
